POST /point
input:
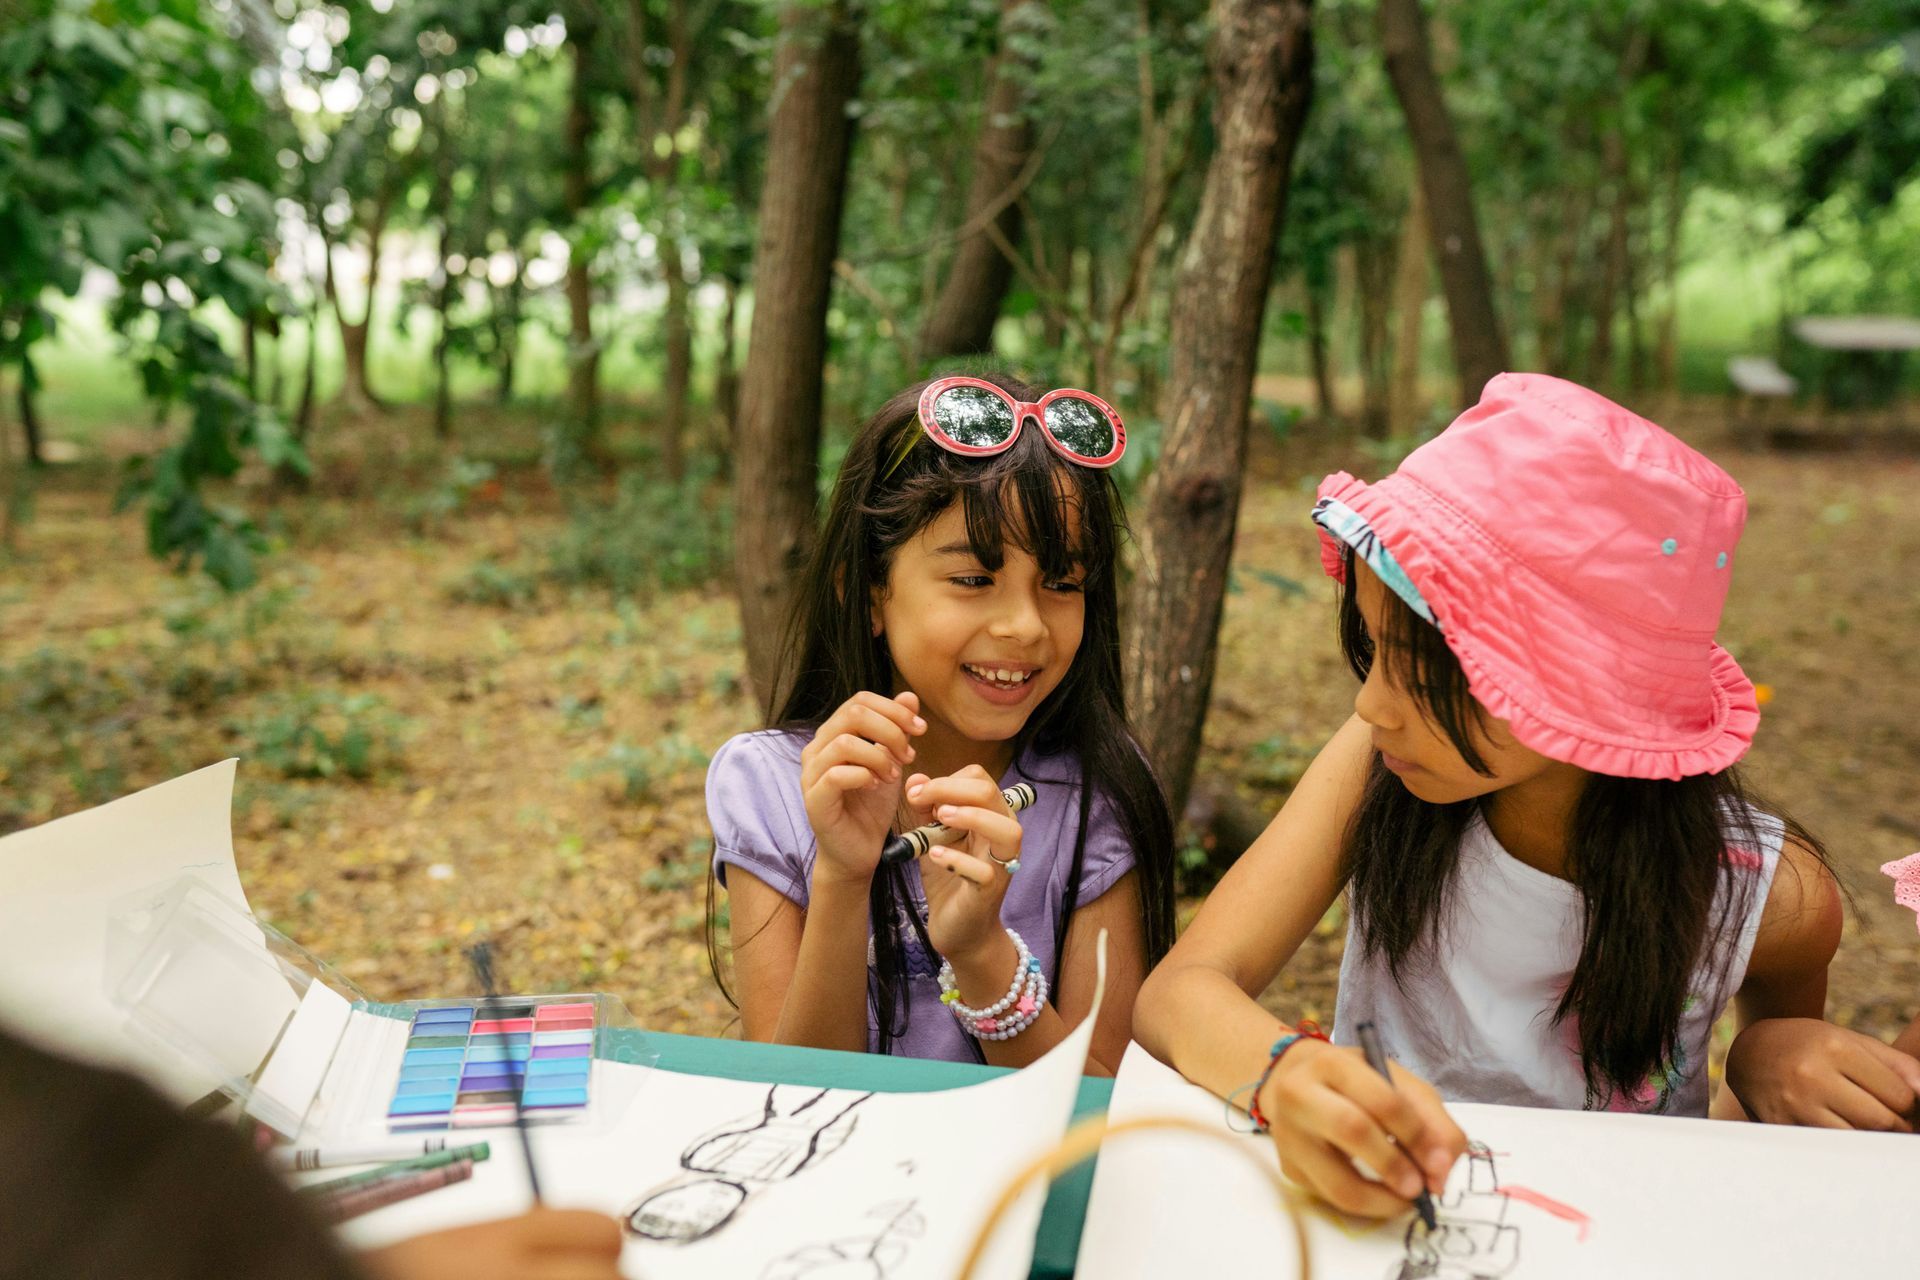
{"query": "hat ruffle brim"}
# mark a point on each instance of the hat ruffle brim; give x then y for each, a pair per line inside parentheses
(1605, 645)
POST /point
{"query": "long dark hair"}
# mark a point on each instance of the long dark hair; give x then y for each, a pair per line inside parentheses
(1647, 856)
(893, 482)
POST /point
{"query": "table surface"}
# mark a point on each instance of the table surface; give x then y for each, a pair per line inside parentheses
(1859, 333)
(1058, 1243)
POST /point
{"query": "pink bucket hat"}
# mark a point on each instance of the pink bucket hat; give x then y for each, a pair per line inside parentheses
(1576, 558)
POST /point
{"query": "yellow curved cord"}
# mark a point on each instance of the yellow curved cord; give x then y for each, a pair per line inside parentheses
(1085, 1138)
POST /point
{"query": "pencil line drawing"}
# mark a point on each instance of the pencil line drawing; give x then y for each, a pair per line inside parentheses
(724, 1167)
(1472, 1240)
(871, 1255)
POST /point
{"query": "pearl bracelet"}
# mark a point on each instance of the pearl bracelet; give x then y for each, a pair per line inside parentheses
(1012, 1013)
(950, 987)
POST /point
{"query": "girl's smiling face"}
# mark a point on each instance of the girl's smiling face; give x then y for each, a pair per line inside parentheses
(982, 647)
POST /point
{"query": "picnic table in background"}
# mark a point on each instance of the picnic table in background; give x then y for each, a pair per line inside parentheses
(1864, 366)
(1855, 366)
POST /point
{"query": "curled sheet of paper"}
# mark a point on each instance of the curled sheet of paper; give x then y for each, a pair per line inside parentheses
(1552, 1195)
(61, 885)
(716, 1177)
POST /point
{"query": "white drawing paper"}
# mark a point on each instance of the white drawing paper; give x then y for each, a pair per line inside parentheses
(784, 1182)
(60, 885)
(1543, 1195)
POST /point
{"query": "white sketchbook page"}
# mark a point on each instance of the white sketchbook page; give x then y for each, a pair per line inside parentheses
(1581, 1195)
(60, 883)
(897, 1183)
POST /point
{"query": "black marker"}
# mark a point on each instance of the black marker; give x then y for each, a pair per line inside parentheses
(480, 956)
(914, 843)
(1377, 1059)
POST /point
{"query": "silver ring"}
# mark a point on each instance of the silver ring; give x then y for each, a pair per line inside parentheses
(1009, 865)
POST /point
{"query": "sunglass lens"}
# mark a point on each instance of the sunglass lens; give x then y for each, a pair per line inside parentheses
(1081, 427)
(973, 416)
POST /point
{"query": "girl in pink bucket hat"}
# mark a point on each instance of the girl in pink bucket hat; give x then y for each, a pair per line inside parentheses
(1555, 878)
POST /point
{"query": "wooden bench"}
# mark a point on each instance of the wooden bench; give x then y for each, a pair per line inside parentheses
(1758, 381)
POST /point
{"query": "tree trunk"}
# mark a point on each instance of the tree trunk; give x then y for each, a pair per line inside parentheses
(777, 442)
(1325, 406)
(1373, 281)
(679, 380)
(303, 416)
(30, 419)
(1479, 345)
(250, 354)
(441, 211)
(726, 372)
(1405, 407)
(1630, 281)
(1667, 356)
(277, 375)
(962, 319)
(443, 350)
(356, 390)
(506, 334)
(1613, 267)
(583, 356)
(1261, 55)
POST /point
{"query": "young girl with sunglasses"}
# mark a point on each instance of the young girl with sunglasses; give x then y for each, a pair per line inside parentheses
(1555, 878)
(955, 633)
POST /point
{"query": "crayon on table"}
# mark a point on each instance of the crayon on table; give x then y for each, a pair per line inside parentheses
(355, 1201)
(478, 1152)
(305, 1159)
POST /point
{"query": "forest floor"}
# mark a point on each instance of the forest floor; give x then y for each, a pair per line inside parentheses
(440, 738)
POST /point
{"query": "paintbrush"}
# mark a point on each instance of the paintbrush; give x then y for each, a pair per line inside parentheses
(480, 956)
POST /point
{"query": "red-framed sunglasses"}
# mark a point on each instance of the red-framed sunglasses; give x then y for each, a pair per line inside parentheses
(969, 416)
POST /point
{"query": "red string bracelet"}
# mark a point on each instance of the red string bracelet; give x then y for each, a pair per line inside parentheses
(1308, 1029)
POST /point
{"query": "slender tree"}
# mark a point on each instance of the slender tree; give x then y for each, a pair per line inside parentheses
(810, 135)
(1479, 344)
(962, 319)
(1261, 57)
(583, 350)
(1409, 304)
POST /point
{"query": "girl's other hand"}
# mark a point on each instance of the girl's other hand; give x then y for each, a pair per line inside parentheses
(964, 885)
(1328, 1109)
(1806, 1071)
(850, 778)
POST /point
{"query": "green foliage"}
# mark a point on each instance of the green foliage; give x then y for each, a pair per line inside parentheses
(655, 535)
(426, 511)
(321, 733)
(643, 770)
(683, 871)
(138, 148)
(489, 582)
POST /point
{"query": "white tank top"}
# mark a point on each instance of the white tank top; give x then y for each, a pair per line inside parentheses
(1477, 1021)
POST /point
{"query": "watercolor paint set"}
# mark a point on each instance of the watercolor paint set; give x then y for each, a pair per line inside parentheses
(467, 1061)
(305, 1052)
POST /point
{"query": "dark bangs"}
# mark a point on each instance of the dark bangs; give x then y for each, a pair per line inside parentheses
(1418, 661)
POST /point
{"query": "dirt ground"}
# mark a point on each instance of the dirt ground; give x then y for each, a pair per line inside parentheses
(535, 752)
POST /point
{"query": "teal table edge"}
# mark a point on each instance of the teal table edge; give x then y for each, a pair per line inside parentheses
(1057, 1245)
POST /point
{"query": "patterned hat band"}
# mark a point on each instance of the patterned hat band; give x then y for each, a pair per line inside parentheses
(1350, 527)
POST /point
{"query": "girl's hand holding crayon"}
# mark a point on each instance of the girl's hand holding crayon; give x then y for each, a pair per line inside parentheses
(963, 906)
(1329, 1109)
(850, 777)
